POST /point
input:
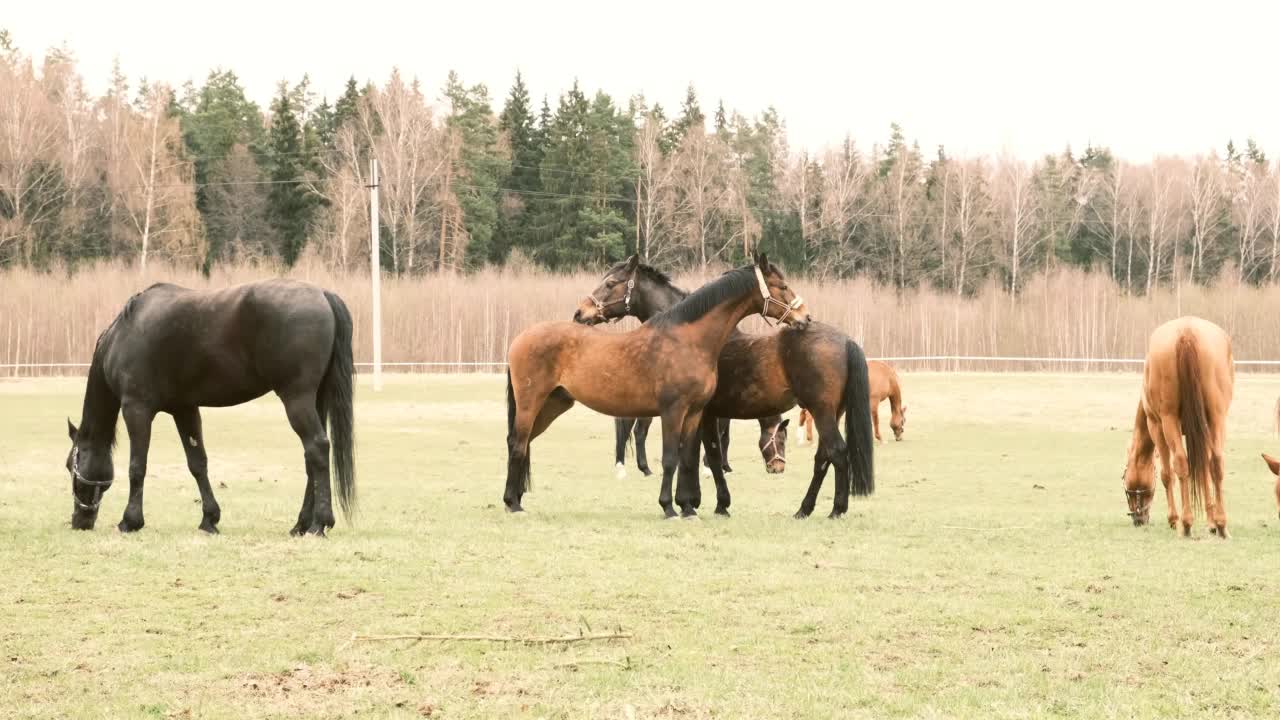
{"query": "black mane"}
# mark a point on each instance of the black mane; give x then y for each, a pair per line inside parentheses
(730, 285)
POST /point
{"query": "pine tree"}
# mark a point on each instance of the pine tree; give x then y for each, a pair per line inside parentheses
(522, 181)
(288, 202)
(481, 167)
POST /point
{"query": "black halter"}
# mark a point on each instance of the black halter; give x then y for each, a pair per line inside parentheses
(77, 479)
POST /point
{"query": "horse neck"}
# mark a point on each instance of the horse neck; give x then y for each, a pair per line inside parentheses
(658, 297)
(721, 322)
(101, 408)
(1142, 446)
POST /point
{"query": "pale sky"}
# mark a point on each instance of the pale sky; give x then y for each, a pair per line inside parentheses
(979, 77)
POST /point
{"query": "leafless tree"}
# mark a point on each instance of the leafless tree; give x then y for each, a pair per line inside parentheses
(343, 227)
(1016, 212)
(1205, 192)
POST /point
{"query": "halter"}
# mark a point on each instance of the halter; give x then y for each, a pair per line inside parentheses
(626, 301)
(768, 300)
(773, 442)
(1138, 495)
(97, 485)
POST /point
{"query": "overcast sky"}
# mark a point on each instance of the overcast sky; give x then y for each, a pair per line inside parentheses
(979, 77)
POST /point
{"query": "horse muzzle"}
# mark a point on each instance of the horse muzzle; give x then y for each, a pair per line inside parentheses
(776, 467)
(83, 519)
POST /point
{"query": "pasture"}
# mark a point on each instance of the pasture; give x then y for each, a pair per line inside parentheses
(994, 573)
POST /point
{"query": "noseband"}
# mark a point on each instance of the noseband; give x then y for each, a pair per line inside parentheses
(97, 485)
(1138, 495)
(626, 301)
(773, 443)
(768, 300)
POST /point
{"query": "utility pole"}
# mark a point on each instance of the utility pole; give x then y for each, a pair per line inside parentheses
(375, 267)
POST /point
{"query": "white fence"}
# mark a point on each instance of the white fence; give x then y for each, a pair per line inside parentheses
(924, 362)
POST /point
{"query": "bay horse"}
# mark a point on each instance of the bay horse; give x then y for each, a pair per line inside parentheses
(175, 350)
(773, 444)
(1188, 380)
(885, 384)
(666, 368)
(761, 375)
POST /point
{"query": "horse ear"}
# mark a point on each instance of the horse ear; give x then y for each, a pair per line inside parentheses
(1272, 463)
(71, 430)
(762, 261)
(783, 425)
(633, 262)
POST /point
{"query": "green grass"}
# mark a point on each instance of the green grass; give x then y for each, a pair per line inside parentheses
(994, 574)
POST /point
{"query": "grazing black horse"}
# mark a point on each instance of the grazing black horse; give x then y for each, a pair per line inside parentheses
(820, 368)
(773, 439)
(175, 350)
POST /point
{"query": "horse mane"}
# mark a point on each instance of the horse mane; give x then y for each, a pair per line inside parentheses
(659, 276)
(730, 285)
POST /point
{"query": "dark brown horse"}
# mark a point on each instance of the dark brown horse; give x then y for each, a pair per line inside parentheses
(664, 368)
(762, 375)
(175, 350)
(773, 444)
(1187, 386)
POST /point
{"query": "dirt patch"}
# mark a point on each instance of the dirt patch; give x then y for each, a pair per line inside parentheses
(320, 687)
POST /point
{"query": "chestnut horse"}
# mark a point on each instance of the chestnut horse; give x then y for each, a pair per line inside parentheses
(1186, 391)
(761, 375)
(665, 368)
(806, 427)
(1274, 464)
(885, 384)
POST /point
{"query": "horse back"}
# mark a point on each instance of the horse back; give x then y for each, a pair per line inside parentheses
(1213, 362)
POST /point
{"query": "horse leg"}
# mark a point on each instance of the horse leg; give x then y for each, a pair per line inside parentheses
(1217, 469)
(531, 421)
(711, 444)
(722, 426)
(875, 421)
(304, 418)
(1172, 431)
(820, 465)
(641, 435)
(688, 489)
(621, 433)
(137, 420)
(672, 424)
(829, 438)
(191, 435)
(1166, 471)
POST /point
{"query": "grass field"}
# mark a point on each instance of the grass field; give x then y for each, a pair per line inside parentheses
(994, 573)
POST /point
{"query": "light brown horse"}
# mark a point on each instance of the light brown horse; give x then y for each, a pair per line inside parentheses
(806, 427)
(1274, 464)
(1186, 391)
(885, 384)
(664, 368)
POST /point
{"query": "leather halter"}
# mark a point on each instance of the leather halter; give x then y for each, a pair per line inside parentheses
(1137, 495)
(626, 301)
(768, 300)
(773, 442)
(76, 478)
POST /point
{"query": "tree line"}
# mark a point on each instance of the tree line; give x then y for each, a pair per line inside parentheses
(201, 176)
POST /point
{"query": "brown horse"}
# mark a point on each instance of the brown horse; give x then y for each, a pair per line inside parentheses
(1186, 391)
(821, 369)
(1274, 464)
(664, 368)
(885, 384)
(806, 427)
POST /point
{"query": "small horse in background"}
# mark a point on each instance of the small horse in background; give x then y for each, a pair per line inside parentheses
(885, 384)
(774, 458)
(805, 421)
(1188, 381)
(175, 350)
(1274, 464)
(666, 367)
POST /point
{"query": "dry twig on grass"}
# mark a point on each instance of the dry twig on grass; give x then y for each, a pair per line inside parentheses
(494, 638)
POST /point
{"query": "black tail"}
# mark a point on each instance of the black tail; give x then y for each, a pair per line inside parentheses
(857, 422)
(622, 438)
(336, 401)
(511, 435)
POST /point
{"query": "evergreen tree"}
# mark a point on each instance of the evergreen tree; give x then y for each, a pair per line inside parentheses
(522, 181)
(481, 167)
(288, 202)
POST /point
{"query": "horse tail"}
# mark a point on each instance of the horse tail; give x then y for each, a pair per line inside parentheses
(337, 401)
(622, 437)
(1191, 412)
(511, 434)
(857, 421)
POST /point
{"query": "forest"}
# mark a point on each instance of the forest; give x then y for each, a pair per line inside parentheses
(202, 176)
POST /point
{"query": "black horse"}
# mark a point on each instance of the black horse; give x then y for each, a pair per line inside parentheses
(820, 368)
(175, 350)
(773, 439)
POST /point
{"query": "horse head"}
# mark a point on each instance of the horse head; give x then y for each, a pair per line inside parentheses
(91, 475)
(773, 447)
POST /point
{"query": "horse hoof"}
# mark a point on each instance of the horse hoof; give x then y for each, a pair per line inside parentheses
(126, 527)
(801, 514)
(689, 513)
(209, 528)
(722, 511)
(298, 530)
(515, 508)
(726, 468)
(317, 531)
(646, 471)
(669, 512)
(836, 515)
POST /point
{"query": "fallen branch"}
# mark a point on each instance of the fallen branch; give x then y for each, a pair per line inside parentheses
(595, 661)
(990, 529)
(494, 638)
